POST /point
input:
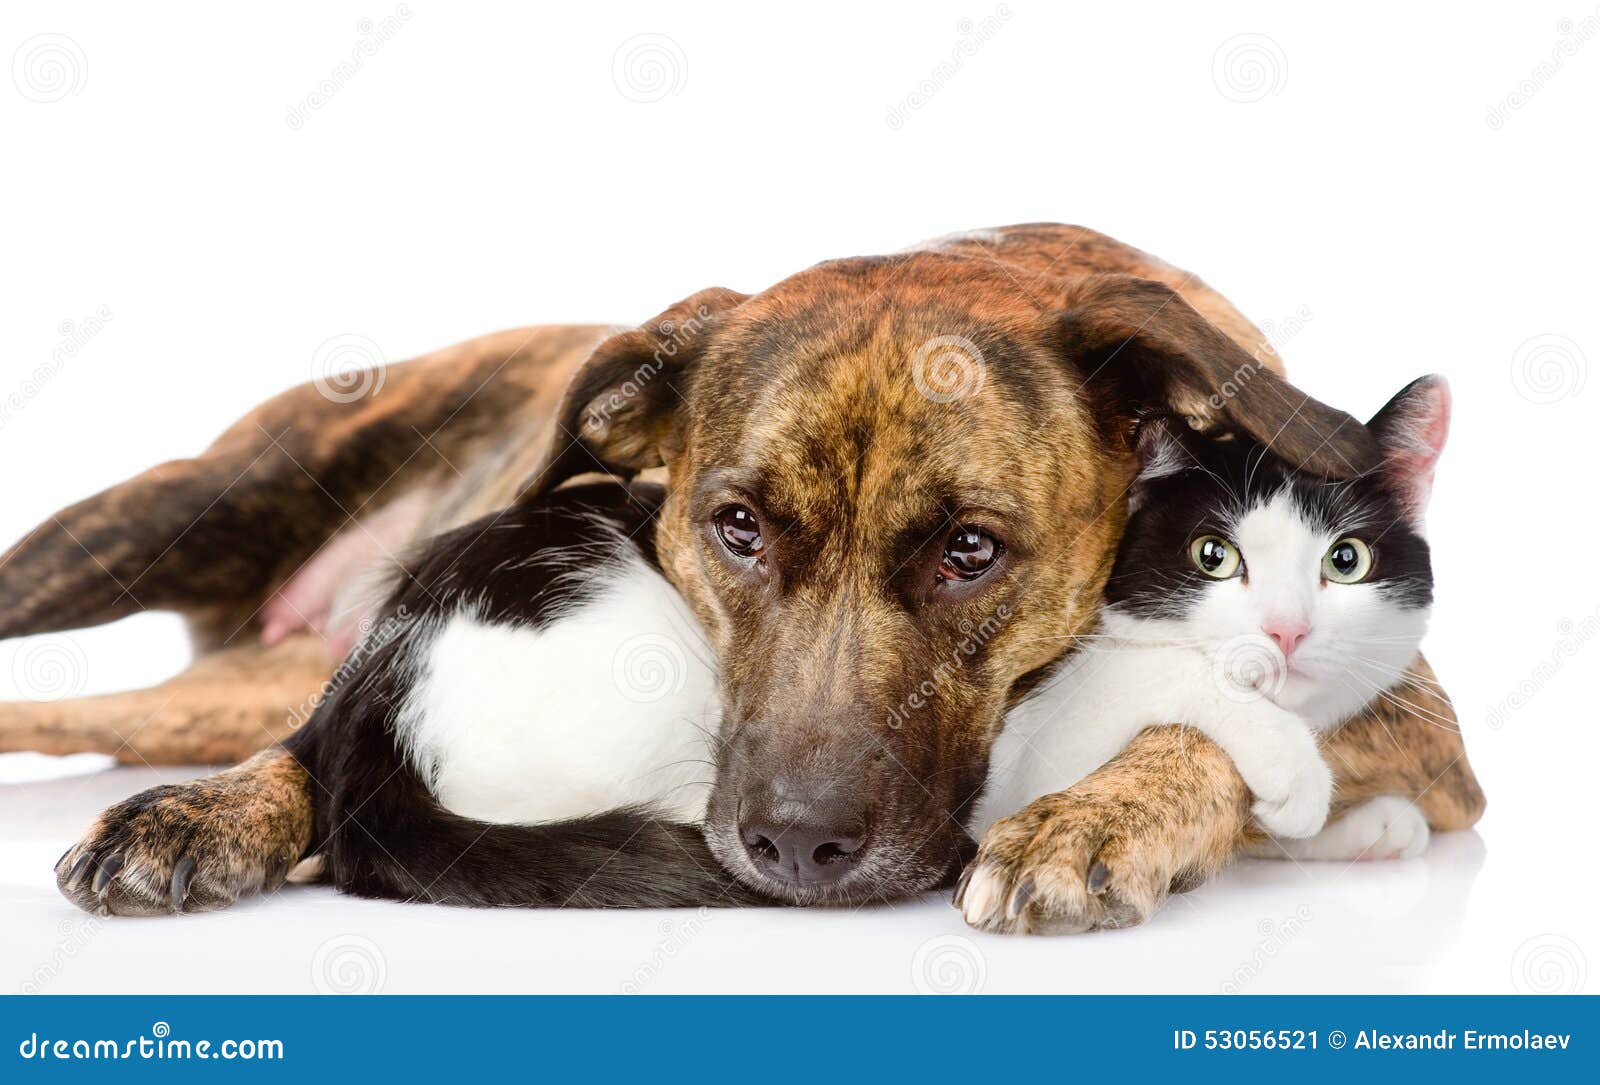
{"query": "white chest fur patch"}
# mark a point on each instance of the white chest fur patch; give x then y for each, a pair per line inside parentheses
(609, 706)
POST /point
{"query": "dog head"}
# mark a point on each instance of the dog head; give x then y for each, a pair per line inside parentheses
(896, 490)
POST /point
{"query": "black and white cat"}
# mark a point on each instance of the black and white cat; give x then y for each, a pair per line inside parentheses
(550, 702)
(1259, 605)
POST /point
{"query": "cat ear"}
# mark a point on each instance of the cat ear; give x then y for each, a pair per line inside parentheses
(1162, 454)
(1411, 430)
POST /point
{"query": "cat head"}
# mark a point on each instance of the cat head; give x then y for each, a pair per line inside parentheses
(1320, 590)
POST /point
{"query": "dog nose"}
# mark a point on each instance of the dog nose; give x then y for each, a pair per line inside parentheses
(804, 844)
(1287, 634)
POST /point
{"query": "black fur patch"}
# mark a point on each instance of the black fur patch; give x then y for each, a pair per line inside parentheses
(377, 825)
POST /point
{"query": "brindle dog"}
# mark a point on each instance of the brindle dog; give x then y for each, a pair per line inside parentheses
(867, 462)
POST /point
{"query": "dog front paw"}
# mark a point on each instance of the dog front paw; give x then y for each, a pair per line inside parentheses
(189, 847)
(1300, 809)
(1066, 864)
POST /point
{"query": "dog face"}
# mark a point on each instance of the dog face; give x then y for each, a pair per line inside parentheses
(896, 490)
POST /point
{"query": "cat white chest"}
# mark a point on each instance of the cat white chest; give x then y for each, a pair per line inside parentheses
(609, 706)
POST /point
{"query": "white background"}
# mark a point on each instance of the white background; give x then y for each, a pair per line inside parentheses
(1390, 189)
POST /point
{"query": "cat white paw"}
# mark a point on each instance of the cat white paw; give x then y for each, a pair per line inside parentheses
(1301, 809)
(1387, 827)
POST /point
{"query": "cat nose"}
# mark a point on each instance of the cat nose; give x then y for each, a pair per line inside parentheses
(1287, 634)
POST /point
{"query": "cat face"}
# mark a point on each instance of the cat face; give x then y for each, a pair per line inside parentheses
(1312, 593)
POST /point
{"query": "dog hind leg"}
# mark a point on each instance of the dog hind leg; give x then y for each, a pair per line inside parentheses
(222, 708)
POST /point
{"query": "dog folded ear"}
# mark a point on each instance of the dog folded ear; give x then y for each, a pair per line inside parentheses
(1138, 343)
(620, 411)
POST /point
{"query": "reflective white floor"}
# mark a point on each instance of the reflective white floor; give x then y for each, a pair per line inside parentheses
(1462, 918)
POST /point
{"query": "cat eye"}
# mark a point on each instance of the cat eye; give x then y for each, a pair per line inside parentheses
(1348, 561)
(1215, 556)
(739, 531)
(968, 554)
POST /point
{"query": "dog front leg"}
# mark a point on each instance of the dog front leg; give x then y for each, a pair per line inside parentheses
(1170, 810)
(195, 846)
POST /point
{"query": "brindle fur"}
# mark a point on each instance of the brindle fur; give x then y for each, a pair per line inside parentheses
(805, 392)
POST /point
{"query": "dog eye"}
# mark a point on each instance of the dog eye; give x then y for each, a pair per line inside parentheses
(968, 554)
(739, 531)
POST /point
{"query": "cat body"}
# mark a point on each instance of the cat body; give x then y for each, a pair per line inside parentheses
(1257, 604)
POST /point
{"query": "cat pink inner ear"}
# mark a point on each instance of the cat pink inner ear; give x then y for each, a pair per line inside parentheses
(1412, 430)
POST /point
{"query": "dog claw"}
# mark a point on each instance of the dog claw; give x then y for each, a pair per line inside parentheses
(108, 870)
(78, 868)
(1099, 877)
(1020, 897)
(182, 877)
(961, 888)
